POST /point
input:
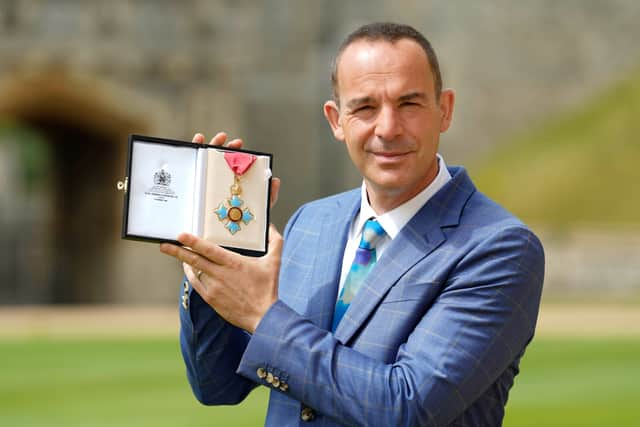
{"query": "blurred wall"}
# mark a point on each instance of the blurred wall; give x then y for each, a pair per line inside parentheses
(77, 76)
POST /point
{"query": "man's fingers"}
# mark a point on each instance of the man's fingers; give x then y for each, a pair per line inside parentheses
(198, 138)
(198, 285)
(236, 143)
(219, 139)
(210, 251)
(275, 190)
(196, 278)
(184, 255)
(189, 272)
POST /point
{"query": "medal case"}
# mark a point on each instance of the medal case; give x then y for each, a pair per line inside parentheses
(216, 193)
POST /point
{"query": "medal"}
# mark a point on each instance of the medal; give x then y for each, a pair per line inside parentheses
(230, 211)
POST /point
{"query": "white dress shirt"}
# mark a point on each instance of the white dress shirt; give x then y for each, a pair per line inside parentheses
(391, 221)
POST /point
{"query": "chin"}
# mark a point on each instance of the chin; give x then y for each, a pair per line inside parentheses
(392, 177)
(389, 186)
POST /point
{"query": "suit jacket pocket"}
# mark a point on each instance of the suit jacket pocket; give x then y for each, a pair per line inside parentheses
(411, 291)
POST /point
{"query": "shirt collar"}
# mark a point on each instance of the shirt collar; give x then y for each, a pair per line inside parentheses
(395, 219)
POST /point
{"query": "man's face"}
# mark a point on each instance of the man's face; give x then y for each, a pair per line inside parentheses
(389, 118)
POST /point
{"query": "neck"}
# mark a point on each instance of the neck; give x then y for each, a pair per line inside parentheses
(382, 201)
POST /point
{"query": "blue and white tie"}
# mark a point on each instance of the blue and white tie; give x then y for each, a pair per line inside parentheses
(363, 263)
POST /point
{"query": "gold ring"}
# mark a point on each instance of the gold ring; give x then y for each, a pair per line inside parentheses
(198, 274)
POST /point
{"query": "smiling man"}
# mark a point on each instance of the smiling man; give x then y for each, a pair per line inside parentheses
(408, 301)
(392, 117)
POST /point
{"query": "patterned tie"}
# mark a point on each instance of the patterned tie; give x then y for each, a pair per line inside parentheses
(363, 263)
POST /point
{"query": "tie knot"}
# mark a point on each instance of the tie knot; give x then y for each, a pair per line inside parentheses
(371, 234)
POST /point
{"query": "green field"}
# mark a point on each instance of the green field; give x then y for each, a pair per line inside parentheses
(568, 382)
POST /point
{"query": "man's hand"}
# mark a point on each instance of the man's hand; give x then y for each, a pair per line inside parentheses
(218, 140)
(241, 289)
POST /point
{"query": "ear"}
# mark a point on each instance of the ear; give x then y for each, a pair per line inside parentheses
(332, 114)
(447, 101)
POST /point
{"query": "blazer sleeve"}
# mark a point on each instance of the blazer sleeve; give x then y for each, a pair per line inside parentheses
(478, 325)
(212, 348)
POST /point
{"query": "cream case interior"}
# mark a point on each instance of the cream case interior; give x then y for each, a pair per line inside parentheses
(175, 188)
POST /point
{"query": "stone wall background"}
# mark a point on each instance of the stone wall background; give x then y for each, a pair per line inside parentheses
(83, 74)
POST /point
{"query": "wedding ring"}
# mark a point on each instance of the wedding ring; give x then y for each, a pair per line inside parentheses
(198, 274)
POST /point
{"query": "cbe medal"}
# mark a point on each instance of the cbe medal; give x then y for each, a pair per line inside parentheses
(230, 212)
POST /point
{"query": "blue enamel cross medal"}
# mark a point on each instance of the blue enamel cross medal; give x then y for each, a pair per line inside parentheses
(230, 212)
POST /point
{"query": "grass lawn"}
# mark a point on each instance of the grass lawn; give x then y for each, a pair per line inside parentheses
(577, 382)
(46, 382)
(107, 383)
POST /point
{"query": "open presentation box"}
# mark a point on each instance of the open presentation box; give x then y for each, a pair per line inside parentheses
(217, 193)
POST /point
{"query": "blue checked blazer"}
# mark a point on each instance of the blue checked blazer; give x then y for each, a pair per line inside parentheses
(433, 338)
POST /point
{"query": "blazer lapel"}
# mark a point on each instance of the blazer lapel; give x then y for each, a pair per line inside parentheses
(407, 249)
(415, 241)
(322, 287)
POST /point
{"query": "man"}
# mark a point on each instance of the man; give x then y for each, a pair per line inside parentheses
(421, 323)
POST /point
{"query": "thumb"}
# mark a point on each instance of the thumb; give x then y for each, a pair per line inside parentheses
(275, 190)
(275, 241)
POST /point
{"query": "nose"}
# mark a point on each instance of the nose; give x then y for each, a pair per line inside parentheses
(388, 123)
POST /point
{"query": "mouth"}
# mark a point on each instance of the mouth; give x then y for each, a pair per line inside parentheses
(385, 155)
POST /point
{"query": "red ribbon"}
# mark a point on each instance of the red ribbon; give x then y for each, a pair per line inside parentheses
(239, 162)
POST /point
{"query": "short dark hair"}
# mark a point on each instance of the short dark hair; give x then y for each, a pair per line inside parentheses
(389, 32)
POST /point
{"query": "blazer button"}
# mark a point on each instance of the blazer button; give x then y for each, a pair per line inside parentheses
(269, 378)
(185, 302)
(261, 373)
(186, 287)
(276, 382)
(284, 386)
(307, 414)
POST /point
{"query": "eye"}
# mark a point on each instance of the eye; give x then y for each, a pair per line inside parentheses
(362, 108)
